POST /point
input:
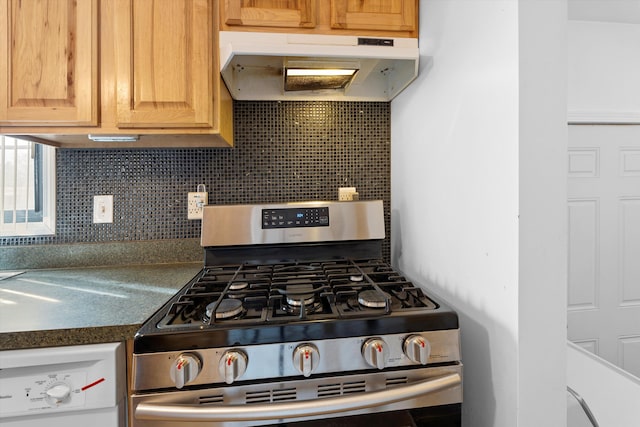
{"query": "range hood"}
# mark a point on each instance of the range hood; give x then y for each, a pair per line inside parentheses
(274, 66)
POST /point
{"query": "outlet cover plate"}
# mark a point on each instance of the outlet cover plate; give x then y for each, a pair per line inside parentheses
(195, 203)
(345, 194)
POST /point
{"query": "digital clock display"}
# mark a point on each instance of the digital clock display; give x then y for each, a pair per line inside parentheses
(295, 217)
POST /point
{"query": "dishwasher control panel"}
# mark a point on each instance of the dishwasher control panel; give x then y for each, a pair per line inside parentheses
(44, 392)
(60, 379)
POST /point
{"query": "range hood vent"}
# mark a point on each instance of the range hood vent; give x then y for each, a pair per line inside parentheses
(302, 67)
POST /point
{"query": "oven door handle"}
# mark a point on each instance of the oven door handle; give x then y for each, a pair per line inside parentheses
(284, 410)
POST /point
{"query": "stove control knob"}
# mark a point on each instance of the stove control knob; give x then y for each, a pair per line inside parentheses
(417, 349)
(185, 369)
(306, 358)
(375, 352)
(232, 365)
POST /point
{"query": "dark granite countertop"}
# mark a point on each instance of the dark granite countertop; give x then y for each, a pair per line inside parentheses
(71, 306)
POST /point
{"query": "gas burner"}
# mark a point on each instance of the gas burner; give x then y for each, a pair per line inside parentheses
(236, 286)
(356, 278)
(298, 295)
(253, 294)
(373, 299)
(227, 309)
(297, 302)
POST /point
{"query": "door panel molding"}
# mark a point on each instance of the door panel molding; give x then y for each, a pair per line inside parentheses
(629, 250)
(584, 163)
(629, 354)
(584, 254)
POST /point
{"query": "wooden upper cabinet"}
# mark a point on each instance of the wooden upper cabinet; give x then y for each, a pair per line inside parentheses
(388, 15)
(164, 63)
(392, 18)
(271, 13)
(48, 62)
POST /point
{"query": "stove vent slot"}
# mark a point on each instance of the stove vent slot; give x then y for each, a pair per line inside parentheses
(338, 389)
(269, 396)
(207, 400)
(396, 381)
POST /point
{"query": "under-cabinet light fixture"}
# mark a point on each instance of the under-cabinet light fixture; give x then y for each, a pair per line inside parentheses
(114, 138)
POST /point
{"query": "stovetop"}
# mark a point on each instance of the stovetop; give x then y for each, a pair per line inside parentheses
(288, 272)
(248, 294)
(286, 301)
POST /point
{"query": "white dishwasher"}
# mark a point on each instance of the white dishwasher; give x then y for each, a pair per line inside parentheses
(80, 385)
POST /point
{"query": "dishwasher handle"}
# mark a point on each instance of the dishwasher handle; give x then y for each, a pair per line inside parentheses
(303, 408)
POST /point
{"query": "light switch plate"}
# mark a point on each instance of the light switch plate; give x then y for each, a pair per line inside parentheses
(103, 209)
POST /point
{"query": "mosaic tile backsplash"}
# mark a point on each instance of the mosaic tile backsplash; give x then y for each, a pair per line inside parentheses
(284, 151)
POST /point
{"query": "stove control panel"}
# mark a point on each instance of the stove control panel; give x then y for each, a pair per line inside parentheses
(295, 217)
(306, 358)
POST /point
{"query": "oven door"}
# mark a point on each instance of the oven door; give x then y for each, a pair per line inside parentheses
(300, 400)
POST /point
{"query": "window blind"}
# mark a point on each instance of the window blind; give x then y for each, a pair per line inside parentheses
(26, 190)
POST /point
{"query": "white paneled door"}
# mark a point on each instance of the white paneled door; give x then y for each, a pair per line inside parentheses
(604, 242)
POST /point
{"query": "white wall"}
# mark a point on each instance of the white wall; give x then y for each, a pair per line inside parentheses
(604, 65)
(543, 230)
(478, 202)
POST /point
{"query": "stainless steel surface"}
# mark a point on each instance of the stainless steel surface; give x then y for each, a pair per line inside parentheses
(585, 407)
(360, 220)
(298, 400)
(327, 328)
(151, 370)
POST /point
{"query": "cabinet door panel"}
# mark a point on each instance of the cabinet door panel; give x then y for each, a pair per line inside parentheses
(48, 62)
(390, 15)
(164, 63)
(271, 13)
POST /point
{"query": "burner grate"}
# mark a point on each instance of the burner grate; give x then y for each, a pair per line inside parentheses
(293, 291)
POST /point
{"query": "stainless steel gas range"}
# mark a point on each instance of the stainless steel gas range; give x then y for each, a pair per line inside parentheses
(296, 320)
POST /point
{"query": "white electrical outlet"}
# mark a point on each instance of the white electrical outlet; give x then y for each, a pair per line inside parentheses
(346, 194)
(102, 209)
(195, 204)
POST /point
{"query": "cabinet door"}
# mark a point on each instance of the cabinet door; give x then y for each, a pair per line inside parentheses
(164, 57)
(48, 62)
(271, 13)
(389, 15)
